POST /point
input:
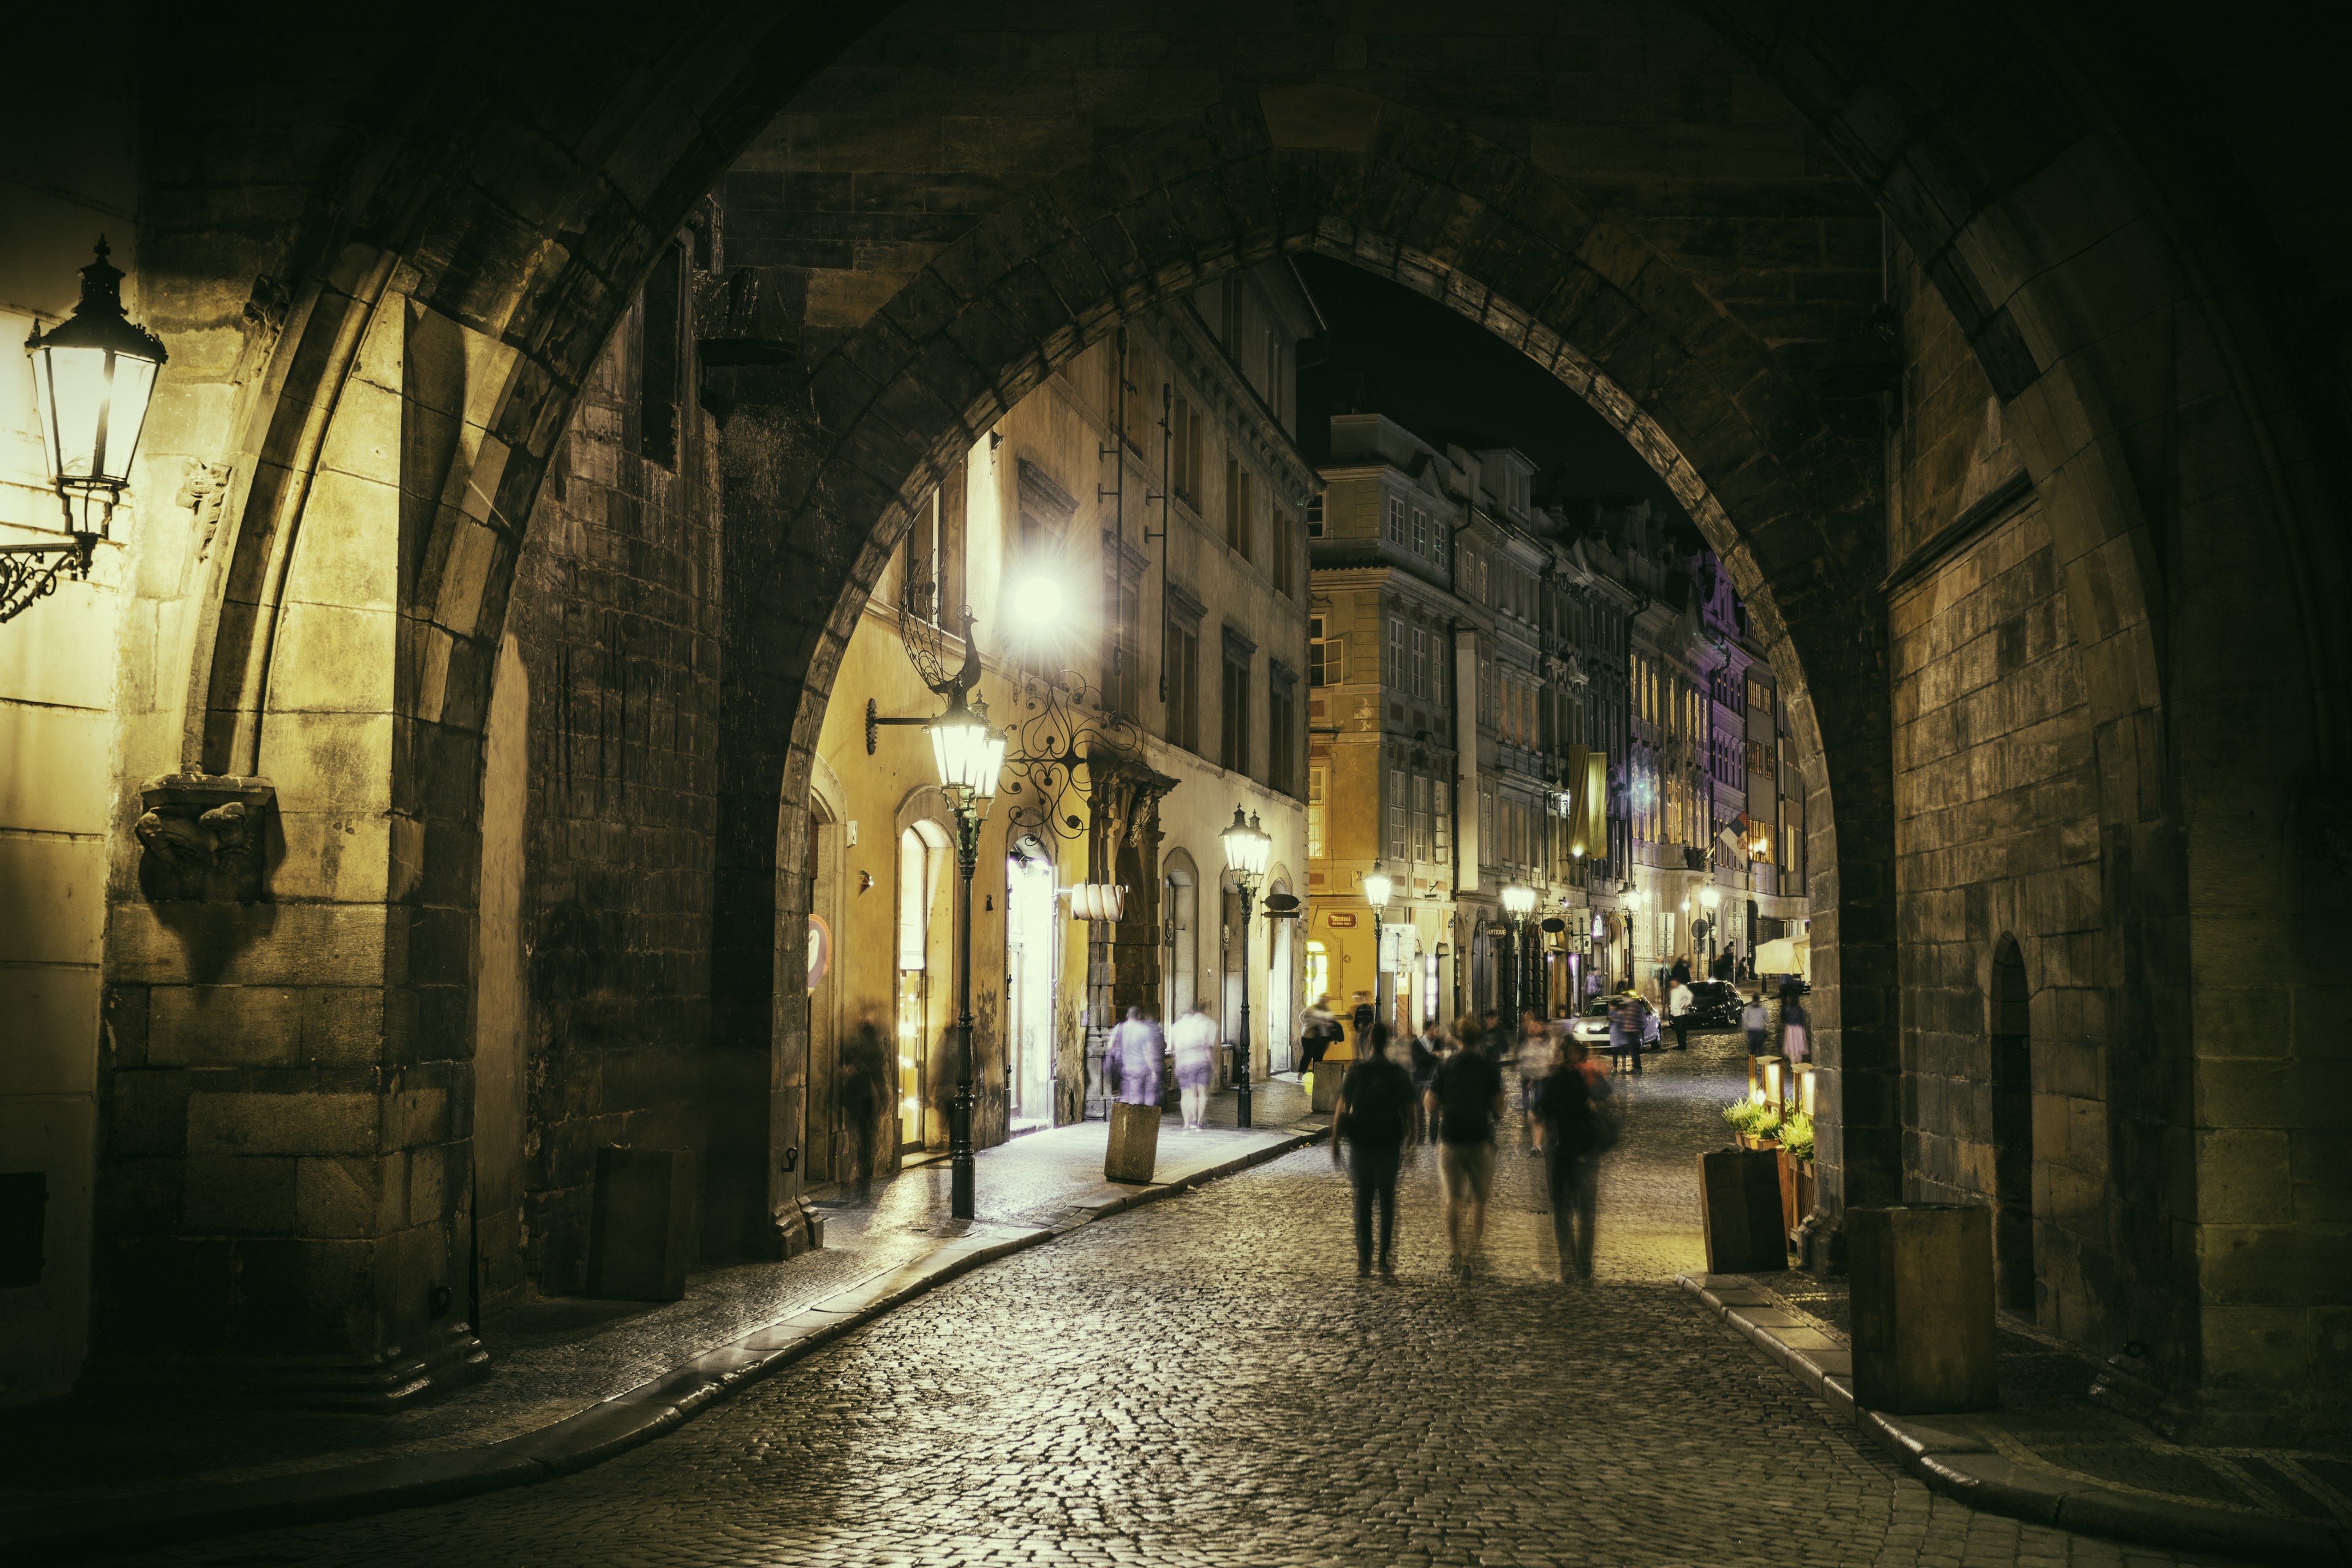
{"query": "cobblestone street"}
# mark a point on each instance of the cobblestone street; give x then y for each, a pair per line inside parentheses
(1205, 1381)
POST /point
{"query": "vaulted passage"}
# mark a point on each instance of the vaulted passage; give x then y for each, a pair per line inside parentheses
(544, 412)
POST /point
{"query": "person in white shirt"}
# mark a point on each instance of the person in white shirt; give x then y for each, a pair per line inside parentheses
(1678, 1006)
(1193, 1043)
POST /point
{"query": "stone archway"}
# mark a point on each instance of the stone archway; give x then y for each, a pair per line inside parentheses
(410, 353)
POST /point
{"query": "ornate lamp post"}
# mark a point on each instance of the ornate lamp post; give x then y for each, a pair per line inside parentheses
(1247, 848)
(968, 756)
(1519, 902)
(1710, 901)
(1377, 889)
(92, 376)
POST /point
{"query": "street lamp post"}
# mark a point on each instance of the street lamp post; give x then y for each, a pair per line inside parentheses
(1247, 848)
(1710, 901)
(1634, 901)
(1519, 902)
(968, 756)
(1377, 889)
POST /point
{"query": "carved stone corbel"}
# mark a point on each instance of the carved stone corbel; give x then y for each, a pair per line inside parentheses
(206, 838)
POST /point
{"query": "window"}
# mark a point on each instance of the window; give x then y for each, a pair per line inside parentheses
(1396, 520)
(1441, 821)
(1420, 662)
(1281, 741)
(918, 562)
(1123, 655)
(1419, 532)
(1396, 670)
(663, 371)
(1489, 848)
(1421, 837)
(1183, 685)
(1285, 555)
(1318, 783)
(1315, 515)
(1397, 807)
(1233, 741)
(1758, 694)
(1326, 655)
(1184, 452)
(1240, 505)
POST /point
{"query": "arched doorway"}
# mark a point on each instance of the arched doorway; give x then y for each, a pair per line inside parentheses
(1180, 984)
(1030, 949)
(2009, 1027)
(922, 941)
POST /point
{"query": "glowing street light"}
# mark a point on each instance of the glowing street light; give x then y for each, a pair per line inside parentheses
(1378, 887)
(1247, 848)
(968, 756)
(93, 375)
(1519, 902)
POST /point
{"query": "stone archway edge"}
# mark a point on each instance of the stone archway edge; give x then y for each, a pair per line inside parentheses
(81, 1531)
(1967, 1470)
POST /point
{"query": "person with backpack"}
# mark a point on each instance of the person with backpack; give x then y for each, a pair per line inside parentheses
(1571, 1134)
(1318, 1031)
(1374, 1120)
(1466, 1099)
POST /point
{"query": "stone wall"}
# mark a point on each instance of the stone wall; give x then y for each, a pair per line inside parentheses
(615, 615)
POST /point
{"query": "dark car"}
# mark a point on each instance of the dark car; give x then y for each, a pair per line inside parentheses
(1714, 1005)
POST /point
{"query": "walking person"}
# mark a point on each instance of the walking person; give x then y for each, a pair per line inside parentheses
(1466, 1097)
(1318, 1030)
(1193, 1043)
(862, 1069)
(1374, 1120)
(1756, 1020)
(1430, 1048)
(1364, 1017)
(1533, 1062)
(1626, 1028)
(1679, 1002)
(1796, 1027)
(1568, 1133)
(1136, 1046)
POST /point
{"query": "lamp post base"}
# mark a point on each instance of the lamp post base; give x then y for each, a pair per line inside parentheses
(963, 1171)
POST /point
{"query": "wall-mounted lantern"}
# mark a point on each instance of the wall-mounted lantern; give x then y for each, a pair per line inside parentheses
(93, 375)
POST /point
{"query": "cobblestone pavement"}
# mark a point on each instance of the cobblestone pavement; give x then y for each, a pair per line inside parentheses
(1205, 1381)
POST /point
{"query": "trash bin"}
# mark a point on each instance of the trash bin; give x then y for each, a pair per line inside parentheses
(1739, 1210)
(1922, 1308)
(1134, 1143)
(643, 1232)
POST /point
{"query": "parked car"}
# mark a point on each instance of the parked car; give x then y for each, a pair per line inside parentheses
(1714, 1005)
(1591, 1026)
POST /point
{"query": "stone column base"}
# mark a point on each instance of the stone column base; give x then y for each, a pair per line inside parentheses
(1821, 1246)
(800, 1228)
(397, 1380)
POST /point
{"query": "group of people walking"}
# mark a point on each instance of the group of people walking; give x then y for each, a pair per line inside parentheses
(1448, 1088)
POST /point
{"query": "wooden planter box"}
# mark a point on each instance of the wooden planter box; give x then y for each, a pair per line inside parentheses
(1796, 1190)
(1748, 1141)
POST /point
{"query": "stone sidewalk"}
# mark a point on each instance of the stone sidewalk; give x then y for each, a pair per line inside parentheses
(576, 1380)
(2049, 1453)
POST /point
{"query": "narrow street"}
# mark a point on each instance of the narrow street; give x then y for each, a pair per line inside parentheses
(1205, 1381)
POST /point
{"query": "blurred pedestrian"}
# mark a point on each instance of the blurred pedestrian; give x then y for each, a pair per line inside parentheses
(1679, 1002)
(1430, 1048)
(1567, 1131)
(1490, 1036)
(1364, 1017)
(1533, 1062)
(861, 1089)
(1374, 1120)
(1193, 1043)
(1466, 1097)
(1626, 1028)
(1318, 1031)
(1756, 1020)
(1136, 1046)
(1796, 1027)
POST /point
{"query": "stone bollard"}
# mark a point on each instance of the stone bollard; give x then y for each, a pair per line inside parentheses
(1739, 1210)
(1134, 1143)
(1327, 1076)
(1923, 1315)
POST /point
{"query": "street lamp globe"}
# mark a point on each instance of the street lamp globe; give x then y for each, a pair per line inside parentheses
(1248, 847)
(1518, 901)
(1377, 887)
(1710, 898)
(968, 753)
(93, 375)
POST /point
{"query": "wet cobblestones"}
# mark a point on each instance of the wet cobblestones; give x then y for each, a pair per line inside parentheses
(1206, 1382)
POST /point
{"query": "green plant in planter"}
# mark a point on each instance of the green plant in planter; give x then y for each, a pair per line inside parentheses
(1755, 1120)
(1797, 1135)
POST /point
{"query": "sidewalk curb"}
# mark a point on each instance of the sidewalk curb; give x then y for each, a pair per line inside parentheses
(105, 1528)
(1966, 1469)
